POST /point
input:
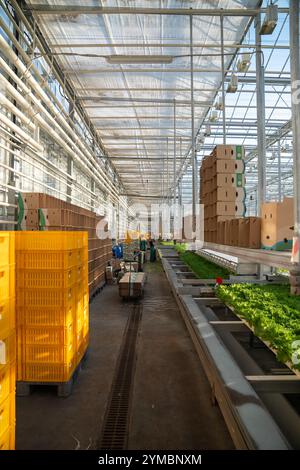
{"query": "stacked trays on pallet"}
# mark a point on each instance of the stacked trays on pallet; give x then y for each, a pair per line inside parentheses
(37, 211)
(7, 341)
(52, 304)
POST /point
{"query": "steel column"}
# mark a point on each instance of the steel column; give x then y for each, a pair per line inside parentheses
(174, 159)
(261, 118)
(295, 79)
(194, 161)
(279, 170)
(223, 80)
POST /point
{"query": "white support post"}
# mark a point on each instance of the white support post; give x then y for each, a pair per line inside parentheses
(194, 157)
(223, 79)
(295, 85)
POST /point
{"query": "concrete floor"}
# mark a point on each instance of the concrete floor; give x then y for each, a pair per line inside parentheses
(171, 406)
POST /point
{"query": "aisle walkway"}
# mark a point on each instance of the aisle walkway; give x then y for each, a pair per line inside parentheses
(171, 406)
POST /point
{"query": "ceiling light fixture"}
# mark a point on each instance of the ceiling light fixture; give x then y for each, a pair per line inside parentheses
(219, 104)
(213, 117)
(139, 59)
(244, 63)
(270, 20)
(233, 84)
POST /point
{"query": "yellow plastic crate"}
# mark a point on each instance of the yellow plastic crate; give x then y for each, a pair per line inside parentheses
(55, 336)
(5, 440)
(7, 281)
(49, 279)
(48, 354)
(50, 241)
(7, 380)
(82, 320)
(56, 298)
(82, 348)
(45, 316)
(7, 413)
(7, 317)
(50, 259)
(8, 349)
(12, 439)
(37, 372)
(7, 248)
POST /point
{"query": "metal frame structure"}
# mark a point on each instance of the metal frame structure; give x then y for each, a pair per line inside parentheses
(131, 120)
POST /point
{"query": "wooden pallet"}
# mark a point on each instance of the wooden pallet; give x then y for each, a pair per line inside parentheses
(64, 389)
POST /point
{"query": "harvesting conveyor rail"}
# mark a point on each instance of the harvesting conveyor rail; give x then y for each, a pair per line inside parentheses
(246, 414)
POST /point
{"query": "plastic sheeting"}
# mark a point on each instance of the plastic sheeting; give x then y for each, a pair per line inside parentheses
(126, 102)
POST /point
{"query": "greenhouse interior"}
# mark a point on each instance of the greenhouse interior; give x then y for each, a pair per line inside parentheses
(149, 229)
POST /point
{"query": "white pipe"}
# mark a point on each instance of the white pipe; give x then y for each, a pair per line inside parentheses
(28, 61)
(15, 78)
(12, 108)
(107, 181)
(28, 107)
(33, 180)
(8, 122)
(35, 85)
(63, 174)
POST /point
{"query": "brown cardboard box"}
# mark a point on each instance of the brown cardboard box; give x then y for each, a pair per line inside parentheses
(277, 222)
(221, 233)
(206, 162)
(214, 236)
(228, 194)
(40, 200)
(234, 232)
(214, 223)
(227, 233)
(223, 218)
(229, 152)
(228, 166)
(30, 218)
(249, 232)
(235, 209)
(228, 180)
(205, 199)
(57, 217)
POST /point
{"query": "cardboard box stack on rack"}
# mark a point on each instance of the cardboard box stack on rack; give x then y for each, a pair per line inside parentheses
(7, 341)
(39, 211)
(222, 189)
(52, 306)
(277, 225)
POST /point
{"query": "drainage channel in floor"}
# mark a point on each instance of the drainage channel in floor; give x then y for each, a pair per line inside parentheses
(116, 421)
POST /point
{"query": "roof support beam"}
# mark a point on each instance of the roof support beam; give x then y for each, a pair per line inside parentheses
(143, 100)
(41, 9)
(161, 45)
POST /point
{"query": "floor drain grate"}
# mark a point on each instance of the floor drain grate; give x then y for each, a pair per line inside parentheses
(115, 427)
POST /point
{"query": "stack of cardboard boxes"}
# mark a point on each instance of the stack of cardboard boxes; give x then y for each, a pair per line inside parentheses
(132, 285)
(39, 211)
(277, 225)
(222, 189)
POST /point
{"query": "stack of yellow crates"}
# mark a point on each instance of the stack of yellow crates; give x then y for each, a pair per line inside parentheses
(52, 304)
(7, 341)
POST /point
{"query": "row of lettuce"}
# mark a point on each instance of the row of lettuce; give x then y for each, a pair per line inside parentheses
(273, 314)
(270, 310)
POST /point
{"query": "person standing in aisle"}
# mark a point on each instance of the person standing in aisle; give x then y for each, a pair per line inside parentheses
(152, 251)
